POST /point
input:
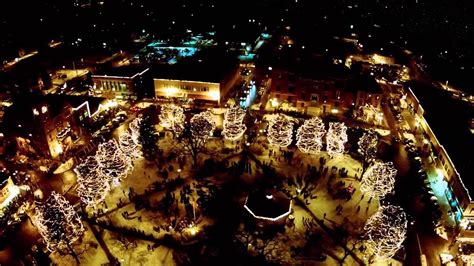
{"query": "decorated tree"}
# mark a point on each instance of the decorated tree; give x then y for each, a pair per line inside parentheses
(148, 138)
(59, 224)
(134, 128)
(172, 117)
(92, 185)
(197, 133)
(336, 138)
(379, 179)
(385, 231)
(113, 163)
(309, 137)
(234, 127)
(280, 131)
(129, 145)
(368, 147)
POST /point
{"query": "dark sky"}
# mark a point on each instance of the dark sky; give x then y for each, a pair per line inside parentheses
(442, 30)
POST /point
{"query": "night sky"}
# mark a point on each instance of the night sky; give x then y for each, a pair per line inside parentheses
(441, 30)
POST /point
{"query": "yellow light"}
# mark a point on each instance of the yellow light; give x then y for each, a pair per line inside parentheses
(110, 104)
(215, 95)
(193, 230)
(439, 172)
(170, 91)
(425, 141)
(274, 102)
(334, 111)
(35, 112)
(44, 109)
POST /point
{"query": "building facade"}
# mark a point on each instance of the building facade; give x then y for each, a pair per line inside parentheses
(121, 83)
(459, 199)
(56, 133)
(319, 96)
(208, 91)
(51, 125)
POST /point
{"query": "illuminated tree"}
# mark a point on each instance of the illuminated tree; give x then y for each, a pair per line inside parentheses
(148, 138)
(113, 163)
(92, 185)
(385, 231)
(309, 137)
(234, 127)
(134, 127)
(368, 147)
(129, 145)
(197, 133)
(59, 224)
(172, 117)
(379, 179)
(336, 138)
(280, 131)
(203, 126)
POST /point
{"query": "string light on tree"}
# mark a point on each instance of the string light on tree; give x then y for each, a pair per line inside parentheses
(336, 138)
(280, 131)
(233, 123)
(172, 117)
(368, 147)
(379, 179)
(134, 127)
(58, 223)
(385, 231)
(129, 145)
(196, 134)
(309, 137)
(92, 185)
(113, 163)
(203, 126)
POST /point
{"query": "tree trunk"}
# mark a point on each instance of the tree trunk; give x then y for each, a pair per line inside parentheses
(73, 253)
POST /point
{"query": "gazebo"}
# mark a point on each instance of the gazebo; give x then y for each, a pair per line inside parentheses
(268, 206)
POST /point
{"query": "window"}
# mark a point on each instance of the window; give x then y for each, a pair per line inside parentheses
(291, 89)
(303, 97)
(314, 97)
(278, 88)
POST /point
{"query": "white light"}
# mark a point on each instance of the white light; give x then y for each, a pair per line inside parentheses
(234, 128)
(172, 117)
(272, 219)
(280, 131)
(379, 179)
(309, 137)
(336, 138)
(386, 231)
(215, 95)
(58, 234)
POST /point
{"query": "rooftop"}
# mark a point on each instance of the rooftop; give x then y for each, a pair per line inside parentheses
(365, 83)
(450, 121)
(125, 71)
(268, 204)
(21, 112)
(210, 65)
